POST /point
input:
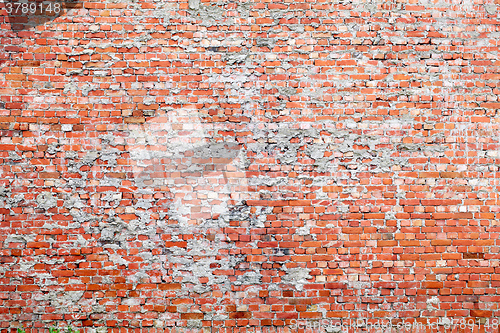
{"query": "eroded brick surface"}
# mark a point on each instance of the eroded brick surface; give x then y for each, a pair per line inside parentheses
(245, 166)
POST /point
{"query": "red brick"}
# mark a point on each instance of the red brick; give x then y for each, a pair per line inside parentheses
(192, 316)
(481, 313)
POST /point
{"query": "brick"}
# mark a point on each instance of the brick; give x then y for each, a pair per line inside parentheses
(240, 314)
(473, 255)
(28, 288)
(169, 286)
(441, 242)
(428, 174)
(332, 189)
(135, 120)
(335, 286)
(481, 313)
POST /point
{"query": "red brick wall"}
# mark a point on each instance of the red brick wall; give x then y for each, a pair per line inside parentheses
(251, 165)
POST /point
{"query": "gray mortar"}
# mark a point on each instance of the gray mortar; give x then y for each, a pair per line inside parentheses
(46, 200)
(248, 278)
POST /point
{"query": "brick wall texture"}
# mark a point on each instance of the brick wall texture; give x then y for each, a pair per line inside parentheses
(246, 166)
